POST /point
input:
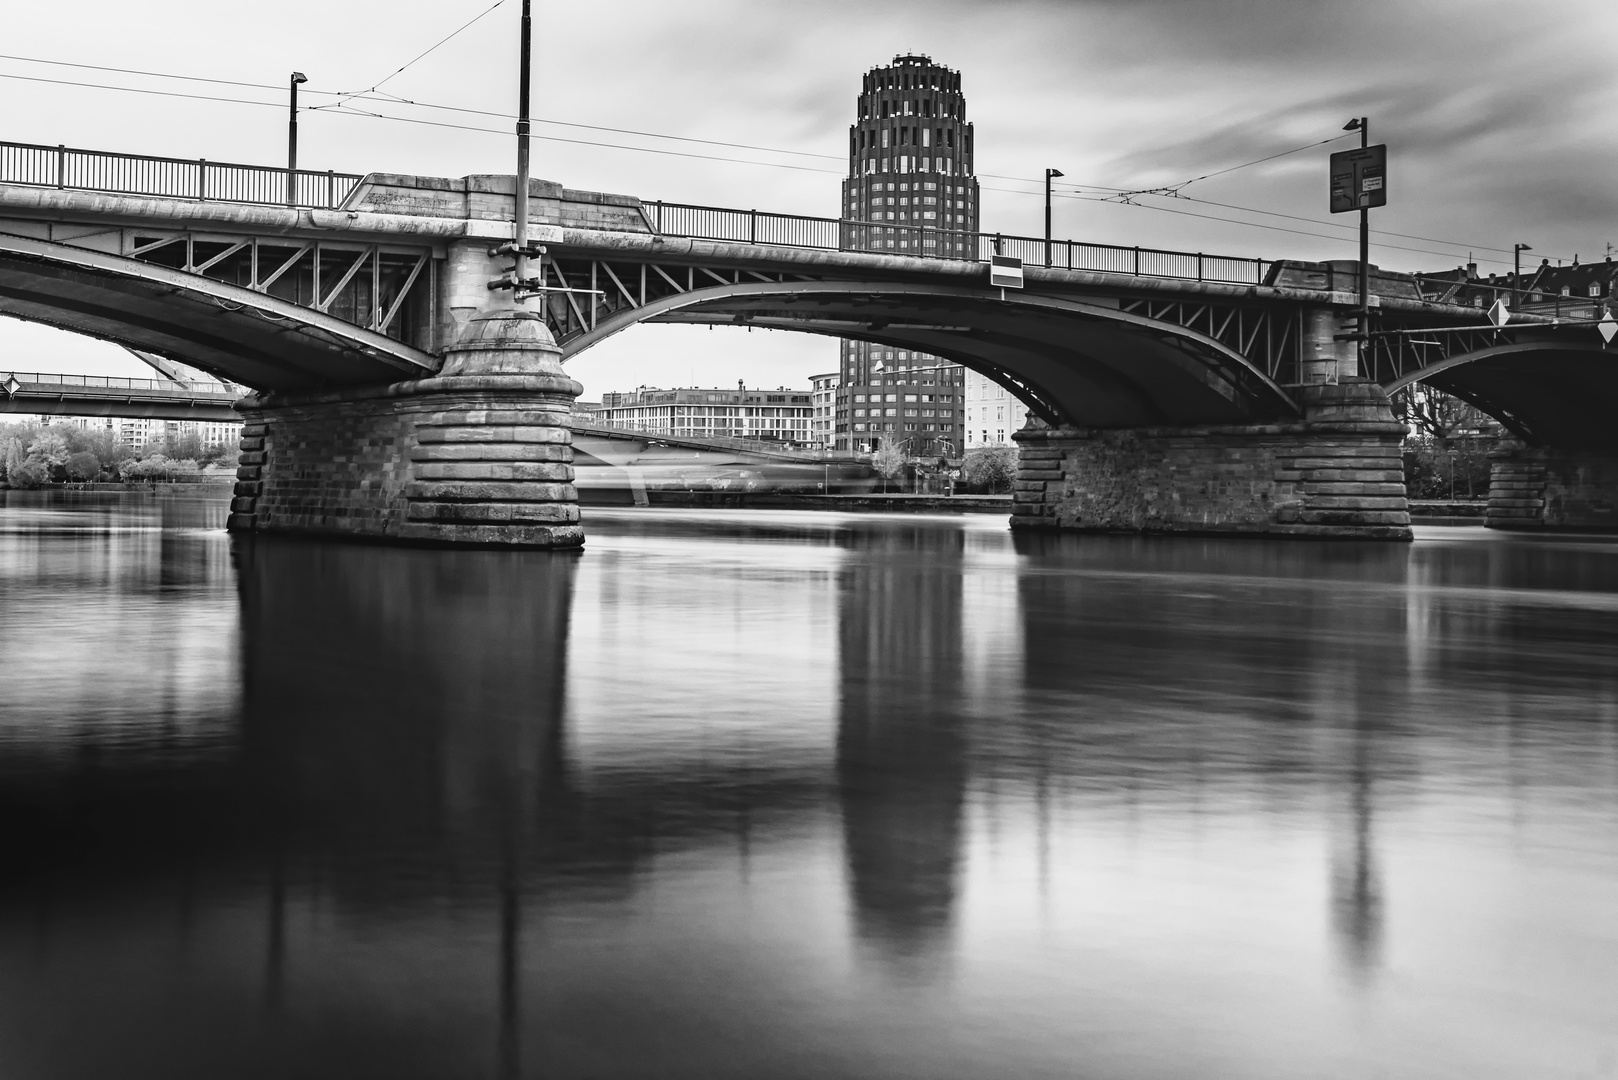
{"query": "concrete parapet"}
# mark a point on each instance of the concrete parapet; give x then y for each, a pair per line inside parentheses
(1335, 473)
(479, 454)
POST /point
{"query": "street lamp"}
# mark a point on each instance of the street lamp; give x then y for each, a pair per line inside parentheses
(1516, 274)
(1050, 174)
(292, 139)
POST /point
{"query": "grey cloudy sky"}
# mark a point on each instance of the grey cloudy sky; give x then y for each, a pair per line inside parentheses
(1500, 118)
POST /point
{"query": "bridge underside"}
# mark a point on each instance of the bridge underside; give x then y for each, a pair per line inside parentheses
(1565, 397)
(1074, 362)
(234, 332)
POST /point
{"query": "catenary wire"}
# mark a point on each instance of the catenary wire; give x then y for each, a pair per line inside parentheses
(340, 108)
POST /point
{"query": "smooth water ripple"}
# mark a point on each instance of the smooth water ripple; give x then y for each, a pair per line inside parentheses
(749, 794)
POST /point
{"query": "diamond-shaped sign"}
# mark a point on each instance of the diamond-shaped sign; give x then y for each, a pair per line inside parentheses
(1499, 313)
(1607, 327)
(11, 385)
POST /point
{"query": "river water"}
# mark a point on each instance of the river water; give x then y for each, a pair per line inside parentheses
(795, 794)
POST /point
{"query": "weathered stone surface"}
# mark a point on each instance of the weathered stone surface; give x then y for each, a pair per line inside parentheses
(492, 470)
(1336, 473)
(1550, 488)
(480, 454)
(492, 451)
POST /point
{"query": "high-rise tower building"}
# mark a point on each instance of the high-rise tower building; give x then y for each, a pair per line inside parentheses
(910, 191)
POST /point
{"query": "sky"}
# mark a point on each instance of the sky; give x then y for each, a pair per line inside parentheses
(1500, 120)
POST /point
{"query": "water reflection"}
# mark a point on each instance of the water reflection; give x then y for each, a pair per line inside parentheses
(901, 742)
(801, 794)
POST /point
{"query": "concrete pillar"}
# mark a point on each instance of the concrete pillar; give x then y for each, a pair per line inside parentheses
(479, 454)
(1546, 487)
(1336, 473)
(1321, 359)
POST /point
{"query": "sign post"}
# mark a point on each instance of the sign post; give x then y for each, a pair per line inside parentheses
(1005, 271)
(1359, 181)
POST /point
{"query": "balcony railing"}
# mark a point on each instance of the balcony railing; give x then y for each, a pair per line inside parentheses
(175, 178)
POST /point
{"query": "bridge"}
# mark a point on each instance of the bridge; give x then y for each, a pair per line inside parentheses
(1178, 391)
(49, 394)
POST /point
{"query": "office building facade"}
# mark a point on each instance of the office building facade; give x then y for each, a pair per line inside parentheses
(779, 415)
(910, 190)
(993, 413)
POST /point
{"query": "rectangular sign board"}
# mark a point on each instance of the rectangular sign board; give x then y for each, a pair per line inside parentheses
(1359, 178)
(1005, 271)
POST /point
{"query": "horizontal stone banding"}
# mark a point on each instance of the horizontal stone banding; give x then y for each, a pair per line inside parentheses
(493, 470)
(489, 491)
(523, 433)
(494, 512)
(492, 451)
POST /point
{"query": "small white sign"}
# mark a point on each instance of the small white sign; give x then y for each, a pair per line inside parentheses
(1607, 327)
(1005, 271)
(1499, 313)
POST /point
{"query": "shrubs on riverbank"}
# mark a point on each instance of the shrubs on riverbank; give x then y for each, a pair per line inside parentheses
(32, 456)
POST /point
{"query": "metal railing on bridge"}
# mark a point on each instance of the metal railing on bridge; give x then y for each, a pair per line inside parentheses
(843, 234)
(138, 174)
(36, 381)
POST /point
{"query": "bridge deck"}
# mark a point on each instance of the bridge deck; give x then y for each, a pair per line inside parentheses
(103, 395)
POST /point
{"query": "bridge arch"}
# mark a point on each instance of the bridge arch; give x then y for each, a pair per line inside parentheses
(1546, 391)
(1072, 361)
(246, 336)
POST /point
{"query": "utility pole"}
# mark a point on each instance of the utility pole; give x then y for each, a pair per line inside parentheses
(1516, 274)
(520, 271)
(292, 140)
(1050, 174)
(1365, 256)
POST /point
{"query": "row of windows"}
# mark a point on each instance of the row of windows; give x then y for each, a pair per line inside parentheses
(859, 399)
(906, 164)
(861, 139)
(953, 108)
(895, 412)
(907, 427)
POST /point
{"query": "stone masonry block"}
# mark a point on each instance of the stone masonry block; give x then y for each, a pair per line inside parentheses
(489, 470)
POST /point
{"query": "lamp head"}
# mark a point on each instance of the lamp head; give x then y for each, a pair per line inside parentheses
(299, 77)
(1352, 125)
(1054, 172)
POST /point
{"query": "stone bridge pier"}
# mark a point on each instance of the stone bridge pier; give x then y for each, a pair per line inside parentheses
(480, 453)
(1547, 487)
(1336, 471)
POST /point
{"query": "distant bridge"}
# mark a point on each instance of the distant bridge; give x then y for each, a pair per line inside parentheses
(109, 395)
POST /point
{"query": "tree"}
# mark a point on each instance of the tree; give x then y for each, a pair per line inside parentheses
(27, 474)
(889, 460)
(50, 448)
(12, 455)
(83, 466)
(992, 468)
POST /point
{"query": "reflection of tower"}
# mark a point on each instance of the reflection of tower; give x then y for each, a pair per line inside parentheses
(901, 747)
(909, 191)
(1356, 892)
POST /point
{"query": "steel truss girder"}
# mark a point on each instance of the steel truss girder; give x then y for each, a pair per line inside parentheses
(1267, 336)
(237, 260)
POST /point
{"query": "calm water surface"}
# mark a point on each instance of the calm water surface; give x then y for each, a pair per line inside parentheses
(802, 795)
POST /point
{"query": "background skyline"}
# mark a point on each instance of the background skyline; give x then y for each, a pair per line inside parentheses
(1495, 133)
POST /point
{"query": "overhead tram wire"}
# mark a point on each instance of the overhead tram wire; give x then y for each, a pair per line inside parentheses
(1077, 192)
(433, 48)
(391, 99)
